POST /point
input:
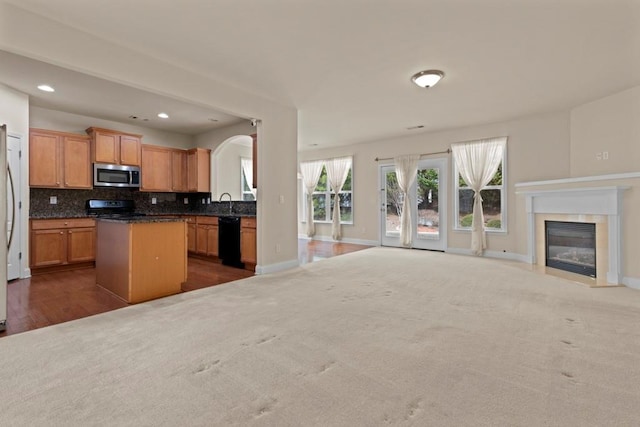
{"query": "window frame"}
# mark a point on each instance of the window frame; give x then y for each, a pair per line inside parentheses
(503, 198)
(328, 200)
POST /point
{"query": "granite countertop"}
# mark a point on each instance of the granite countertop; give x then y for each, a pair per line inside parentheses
(156, 215)
(141, 219)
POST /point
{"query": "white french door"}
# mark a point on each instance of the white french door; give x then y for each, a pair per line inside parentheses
(428, 206)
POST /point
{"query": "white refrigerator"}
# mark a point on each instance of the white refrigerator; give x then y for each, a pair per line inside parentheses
(3, 221)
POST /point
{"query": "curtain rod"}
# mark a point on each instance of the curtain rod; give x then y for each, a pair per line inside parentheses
(447, 151)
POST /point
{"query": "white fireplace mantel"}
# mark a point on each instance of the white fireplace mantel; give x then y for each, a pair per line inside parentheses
(581, 201)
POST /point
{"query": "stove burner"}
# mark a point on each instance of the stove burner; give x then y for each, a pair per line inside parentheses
(112, 208)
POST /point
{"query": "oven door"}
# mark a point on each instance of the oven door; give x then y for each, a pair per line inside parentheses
(106, 175)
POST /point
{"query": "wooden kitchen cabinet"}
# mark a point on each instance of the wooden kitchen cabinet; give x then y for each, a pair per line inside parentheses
(199, 170)
(179, 171)
(248, 242)
(191, 233)
(62, 243)
(59, 160)
(155, 169)
(207, 235)
(114, 147)
(140, 261)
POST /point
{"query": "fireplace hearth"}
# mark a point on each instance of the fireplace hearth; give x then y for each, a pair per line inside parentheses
(571, 246)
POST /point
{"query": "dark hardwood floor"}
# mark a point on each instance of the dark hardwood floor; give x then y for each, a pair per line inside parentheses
(52, 298)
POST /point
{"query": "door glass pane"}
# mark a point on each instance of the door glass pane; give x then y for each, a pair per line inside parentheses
(394, 205)
(427, 199)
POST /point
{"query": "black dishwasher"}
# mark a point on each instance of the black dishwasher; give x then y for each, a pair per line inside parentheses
(229, 241)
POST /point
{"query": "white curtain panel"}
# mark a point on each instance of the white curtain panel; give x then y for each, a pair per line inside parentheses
(247, 168)
(337, 171)
(406, 171)
(310, 172)
(477, 162)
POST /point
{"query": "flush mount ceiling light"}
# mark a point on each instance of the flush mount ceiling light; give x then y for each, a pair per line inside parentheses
(46, 88)
(163, 115)
(428, 78)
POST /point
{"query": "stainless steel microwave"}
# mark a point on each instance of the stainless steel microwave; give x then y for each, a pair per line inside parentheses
(106, 175)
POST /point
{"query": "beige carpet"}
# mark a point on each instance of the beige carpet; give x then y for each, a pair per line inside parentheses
(377, 337)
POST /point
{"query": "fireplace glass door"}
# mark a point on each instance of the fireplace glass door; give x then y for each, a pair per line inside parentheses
(571, 246)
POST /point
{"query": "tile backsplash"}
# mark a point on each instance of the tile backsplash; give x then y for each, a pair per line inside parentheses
(72, 203)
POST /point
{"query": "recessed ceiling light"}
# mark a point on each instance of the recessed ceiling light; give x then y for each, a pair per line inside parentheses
(163, 115)
(46, 88)
(428, 78)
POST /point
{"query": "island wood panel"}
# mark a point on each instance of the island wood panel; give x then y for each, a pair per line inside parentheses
(141, 261)
(158, 259)
(113, 251)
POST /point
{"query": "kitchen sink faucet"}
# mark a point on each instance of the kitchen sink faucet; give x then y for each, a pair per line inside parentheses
(230, 202)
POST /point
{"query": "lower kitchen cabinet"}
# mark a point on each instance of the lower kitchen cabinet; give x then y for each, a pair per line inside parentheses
(248, 249)
(207, 235)
(60, 243)
(191, 233)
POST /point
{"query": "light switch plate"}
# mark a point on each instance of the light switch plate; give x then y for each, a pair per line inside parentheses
(186, 200)
(154, 201)
(53, 200)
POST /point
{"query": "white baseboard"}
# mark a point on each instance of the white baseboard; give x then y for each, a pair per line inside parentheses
(347, 240)
(631, 282)
(26, 273)
(510, 256)
(274, 268)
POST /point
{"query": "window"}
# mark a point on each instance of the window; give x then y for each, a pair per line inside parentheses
(247, 193)
(323, 200)
(493, 201)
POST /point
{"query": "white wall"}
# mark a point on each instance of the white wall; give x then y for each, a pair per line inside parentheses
(35, 36)
(66, 122)
(14, 112)
(537, 148)
(612, 125)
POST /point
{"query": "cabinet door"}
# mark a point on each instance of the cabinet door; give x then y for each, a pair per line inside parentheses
(199, 170)
(202, 239)
(179, 171)
(48, 247)
(76, 152)
(44, 160)
(155, 169)
(81, 244)
(191, 238)
(212, 240)
(106, 148)
(248, 245)
(130, 152)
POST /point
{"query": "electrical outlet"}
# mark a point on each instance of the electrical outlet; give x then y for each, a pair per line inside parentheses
(154, 201)
(278, 248)
(598, 156)
(186, 200)
(203, 201)
(53, 200)
(281, 199)
(605, 155)
(208, 200)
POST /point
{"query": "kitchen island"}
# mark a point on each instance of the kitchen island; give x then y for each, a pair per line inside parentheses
(141, 258)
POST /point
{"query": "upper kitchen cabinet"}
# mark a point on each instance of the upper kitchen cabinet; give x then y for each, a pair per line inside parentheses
(199, 170)
(114, 147)
(179, 171)
(156, 168)
(59, 160)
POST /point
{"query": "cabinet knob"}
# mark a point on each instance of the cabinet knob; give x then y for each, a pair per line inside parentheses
(62, 232)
